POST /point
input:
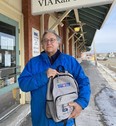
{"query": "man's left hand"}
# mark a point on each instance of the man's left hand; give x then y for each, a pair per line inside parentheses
(77, 110)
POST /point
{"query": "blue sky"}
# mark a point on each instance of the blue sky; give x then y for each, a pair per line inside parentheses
(105, 38)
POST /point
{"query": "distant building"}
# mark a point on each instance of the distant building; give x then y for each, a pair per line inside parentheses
(111, 54)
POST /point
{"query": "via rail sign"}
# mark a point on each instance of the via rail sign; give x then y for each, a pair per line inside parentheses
(47, 6)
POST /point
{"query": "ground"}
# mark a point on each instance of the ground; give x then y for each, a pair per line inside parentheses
(102, 107)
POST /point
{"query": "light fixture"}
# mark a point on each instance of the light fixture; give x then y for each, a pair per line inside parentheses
(77, 29)
(61, 24)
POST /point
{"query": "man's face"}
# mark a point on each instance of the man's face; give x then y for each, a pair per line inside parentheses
(50, 44)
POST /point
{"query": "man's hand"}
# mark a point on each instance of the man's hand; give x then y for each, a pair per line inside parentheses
(51, 72)
(77, 110)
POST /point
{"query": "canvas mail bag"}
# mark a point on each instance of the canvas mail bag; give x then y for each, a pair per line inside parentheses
(62, 89)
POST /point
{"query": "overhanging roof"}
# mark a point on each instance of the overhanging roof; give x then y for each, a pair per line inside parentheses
(88, 15)
(90, 18)
(93, 18)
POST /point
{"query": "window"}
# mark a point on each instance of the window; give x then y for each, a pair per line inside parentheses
(9, 68)
(7, 55)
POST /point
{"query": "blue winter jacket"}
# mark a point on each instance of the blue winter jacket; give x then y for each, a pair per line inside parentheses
(34, 79)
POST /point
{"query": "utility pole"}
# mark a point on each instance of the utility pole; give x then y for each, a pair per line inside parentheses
(95, 56)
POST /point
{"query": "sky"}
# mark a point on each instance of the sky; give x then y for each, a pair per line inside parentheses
(105, 38)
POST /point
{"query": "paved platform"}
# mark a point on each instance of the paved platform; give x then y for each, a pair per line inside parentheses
(17, 117)
(92, 115)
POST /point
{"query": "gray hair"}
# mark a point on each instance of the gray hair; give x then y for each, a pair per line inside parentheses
(52, 31)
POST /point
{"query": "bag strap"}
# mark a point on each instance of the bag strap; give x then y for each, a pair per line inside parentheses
(65, 122)
(50, 84)
(74, 122)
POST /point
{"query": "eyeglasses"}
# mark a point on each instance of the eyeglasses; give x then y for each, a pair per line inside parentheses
(52, 40)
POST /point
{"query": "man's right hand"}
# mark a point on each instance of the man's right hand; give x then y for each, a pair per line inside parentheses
(51, 72)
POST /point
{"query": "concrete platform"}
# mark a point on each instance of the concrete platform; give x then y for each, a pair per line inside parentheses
(94, 114)
(17, 116)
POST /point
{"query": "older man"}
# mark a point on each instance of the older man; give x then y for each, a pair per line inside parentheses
(35, 76)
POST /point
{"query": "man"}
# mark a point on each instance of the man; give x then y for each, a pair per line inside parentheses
(35, 76)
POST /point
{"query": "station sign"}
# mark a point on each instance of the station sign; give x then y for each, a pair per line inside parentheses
(47, 6)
